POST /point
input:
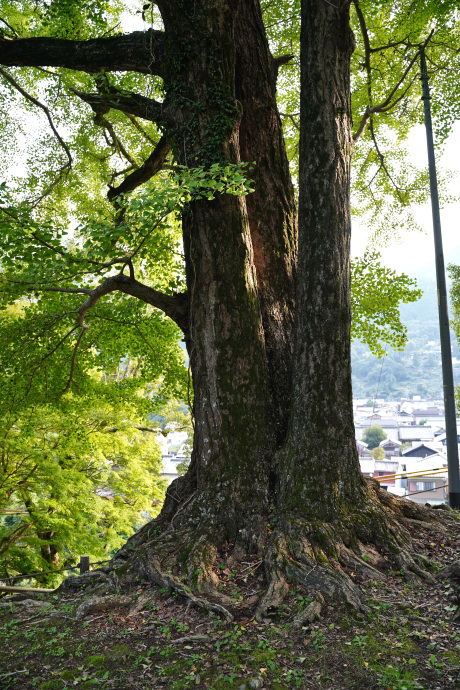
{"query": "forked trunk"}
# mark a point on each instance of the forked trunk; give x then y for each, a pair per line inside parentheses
(273, 427)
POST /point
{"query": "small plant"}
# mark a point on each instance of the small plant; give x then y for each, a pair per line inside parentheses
(395, 678)
(318, 639)
(294, 678)
(434, 665)
(302, 602)
(229, 679)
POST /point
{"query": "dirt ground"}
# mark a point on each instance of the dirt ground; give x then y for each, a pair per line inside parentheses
(408, 639)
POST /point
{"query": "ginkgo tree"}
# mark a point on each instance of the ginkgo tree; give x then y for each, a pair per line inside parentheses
(168, 118)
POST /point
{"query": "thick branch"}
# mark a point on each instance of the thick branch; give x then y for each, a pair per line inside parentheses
(127, 102)
(175, 306)
(135, 52)
(152, 165)
(282, 60)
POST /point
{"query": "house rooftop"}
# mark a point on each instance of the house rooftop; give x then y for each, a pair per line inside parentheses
(390, 440)
(419, 446)
(416, 433)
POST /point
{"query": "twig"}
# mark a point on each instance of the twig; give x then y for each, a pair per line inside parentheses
(36, 102)
(154, 226)
(74, 359)
(10, 27)
(140, 129)
(13, 673)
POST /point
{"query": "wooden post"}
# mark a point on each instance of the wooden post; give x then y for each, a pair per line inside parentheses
(84, 564)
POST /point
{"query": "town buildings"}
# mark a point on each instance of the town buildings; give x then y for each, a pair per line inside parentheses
(415, 462)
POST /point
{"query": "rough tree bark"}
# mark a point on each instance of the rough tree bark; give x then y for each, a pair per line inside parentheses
(239, 312)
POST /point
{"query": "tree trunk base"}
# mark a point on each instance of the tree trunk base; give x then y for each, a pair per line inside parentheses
(325, 557)
(188, 556)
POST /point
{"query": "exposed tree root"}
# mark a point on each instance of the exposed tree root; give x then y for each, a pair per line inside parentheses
(323, 557)
(179, 552)
(310, 613)
(95, 604)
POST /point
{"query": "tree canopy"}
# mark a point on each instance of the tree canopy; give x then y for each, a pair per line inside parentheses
(62, 236)
(373, 435)
(81, 477)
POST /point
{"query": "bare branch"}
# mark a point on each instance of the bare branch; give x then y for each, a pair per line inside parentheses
(384, 105)
(150, 430)
(144, 240)
(101, 121)
(383, 165)
(282, 60)
(84, 291)
(140, 129)
(291, 117)
(362, 125)
(175, 306)
(74, 359)
(65, 168)
(131, 268)
(388, 103)
(127, 102)
(9, 27)
(403, 42)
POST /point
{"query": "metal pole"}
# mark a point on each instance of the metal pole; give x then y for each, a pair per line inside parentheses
(446, 353)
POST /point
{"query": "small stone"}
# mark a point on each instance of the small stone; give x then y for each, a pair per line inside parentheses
(311, 613)
(256, 683)
(242, 687)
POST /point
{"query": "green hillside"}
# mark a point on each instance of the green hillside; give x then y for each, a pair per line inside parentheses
(416, 370)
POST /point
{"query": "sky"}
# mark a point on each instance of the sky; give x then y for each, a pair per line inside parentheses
(416, 250)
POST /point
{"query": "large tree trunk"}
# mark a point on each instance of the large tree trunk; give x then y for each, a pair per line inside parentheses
(321, 469)
(240, 265)
(264, 440)
(328, 516)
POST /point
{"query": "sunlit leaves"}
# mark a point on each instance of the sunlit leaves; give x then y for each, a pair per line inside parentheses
(86, 477)
(385, 183)
(376, 295)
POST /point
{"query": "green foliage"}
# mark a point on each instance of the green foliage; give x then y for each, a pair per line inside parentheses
(373, 435)
(380, 164)
(83, 477)
(49, 268)
(76, 362)
(385, 102)
(377, 292)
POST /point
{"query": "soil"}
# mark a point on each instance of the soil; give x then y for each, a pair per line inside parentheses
(408, 639)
